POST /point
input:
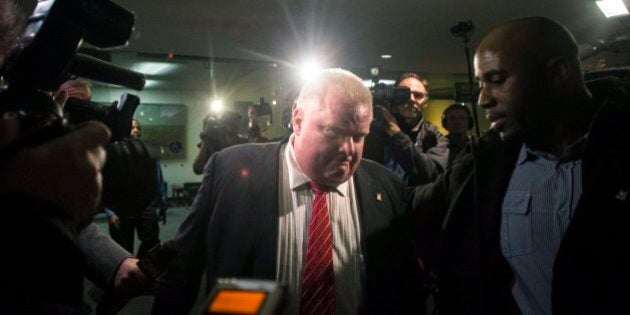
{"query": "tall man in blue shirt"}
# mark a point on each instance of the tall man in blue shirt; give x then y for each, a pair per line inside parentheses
(533, 218)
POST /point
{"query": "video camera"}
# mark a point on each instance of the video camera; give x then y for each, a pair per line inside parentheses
(45, 56)
(388, 96)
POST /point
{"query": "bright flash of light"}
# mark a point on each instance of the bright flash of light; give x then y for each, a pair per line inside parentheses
(309, 69)
(216, 105)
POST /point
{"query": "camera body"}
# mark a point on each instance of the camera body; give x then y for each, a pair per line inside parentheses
(388, 96)
(118, 118)
(44, 57)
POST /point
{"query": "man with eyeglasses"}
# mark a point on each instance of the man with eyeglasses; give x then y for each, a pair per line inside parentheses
(413, 147)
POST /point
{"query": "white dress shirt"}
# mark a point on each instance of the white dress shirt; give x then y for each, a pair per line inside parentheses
(295, 202)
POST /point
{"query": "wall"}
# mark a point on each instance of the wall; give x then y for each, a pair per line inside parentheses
(240, 84)
(195, 83)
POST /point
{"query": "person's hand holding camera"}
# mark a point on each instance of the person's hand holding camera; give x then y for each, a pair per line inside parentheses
(390, 124)
(65, 170)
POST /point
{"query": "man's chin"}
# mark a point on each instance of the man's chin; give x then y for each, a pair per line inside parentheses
(337, 178)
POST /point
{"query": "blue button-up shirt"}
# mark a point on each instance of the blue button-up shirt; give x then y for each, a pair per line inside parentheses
(538, 206)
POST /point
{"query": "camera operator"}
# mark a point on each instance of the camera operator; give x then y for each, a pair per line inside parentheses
(44, 269)
(218, 134)
(123, 227)
(254, 134)
(51, 172)
(108, 264)
(413, 147)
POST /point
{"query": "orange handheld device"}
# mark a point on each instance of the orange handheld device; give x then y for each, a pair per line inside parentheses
(245, 296)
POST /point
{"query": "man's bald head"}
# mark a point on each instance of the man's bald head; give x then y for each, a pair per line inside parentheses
(531, 81)
(532, 42)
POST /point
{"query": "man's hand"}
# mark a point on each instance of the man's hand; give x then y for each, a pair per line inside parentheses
(65, 171)
(390, 124)
(130, 281)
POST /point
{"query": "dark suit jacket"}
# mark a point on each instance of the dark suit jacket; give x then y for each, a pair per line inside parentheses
(41, 262)
(233, 225)
(459, 219)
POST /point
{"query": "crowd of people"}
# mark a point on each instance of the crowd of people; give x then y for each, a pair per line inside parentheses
(529, 218)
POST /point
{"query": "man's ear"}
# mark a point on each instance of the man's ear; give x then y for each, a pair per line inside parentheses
(557, 72)
(297, 118)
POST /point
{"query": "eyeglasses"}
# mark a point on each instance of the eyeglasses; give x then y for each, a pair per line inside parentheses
(419, 95)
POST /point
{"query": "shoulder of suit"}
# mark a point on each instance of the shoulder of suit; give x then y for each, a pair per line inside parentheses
(376, 170)
(248, 149)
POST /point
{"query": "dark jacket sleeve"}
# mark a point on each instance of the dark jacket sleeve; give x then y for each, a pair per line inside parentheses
(431, 204)
(424, 161)
(177, 288)
(42, 264)
(102, 254)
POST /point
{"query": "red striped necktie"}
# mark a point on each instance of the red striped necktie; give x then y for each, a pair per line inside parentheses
(318, 278)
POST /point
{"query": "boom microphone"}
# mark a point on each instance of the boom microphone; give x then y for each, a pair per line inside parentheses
(90, 67)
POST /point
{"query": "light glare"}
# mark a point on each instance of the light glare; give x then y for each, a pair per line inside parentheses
(216, 105)
(309, 69)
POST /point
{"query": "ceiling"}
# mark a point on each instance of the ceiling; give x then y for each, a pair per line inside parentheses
(348, 33)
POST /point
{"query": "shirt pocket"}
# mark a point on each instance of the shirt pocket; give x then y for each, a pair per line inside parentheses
(516, 224)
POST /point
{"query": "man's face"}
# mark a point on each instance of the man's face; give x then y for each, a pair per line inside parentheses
(509, 93)
(418, 101)
(135, 129)
(328, 141)
(457, 121)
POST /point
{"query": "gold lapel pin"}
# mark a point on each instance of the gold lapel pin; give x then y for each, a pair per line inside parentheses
(379, 197)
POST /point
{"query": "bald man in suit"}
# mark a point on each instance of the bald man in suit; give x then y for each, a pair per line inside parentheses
(251, 215)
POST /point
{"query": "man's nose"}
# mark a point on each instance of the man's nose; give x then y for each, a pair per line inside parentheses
(348, 146)
(485, 98)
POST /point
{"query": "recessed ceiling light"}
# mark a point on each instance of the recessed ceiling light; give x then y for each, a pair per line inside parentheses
(612, 8)
(386, 56)
(375, 71)
(154, 68)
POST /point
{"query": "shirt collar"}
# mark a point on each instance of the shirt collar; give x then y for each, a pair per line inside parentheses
(523, 155)
(574, 152)
(297, 178)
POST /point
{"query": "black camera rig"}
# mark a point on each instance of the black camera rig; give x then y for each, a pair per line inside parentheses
(45, 56)
(388, 96)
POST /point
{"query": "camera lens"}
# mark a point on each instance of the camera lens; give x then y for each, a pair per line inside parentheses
(130, 180)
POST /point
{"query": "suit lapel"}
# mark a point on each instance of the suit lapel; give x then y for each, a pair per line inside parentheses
(367, 207)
